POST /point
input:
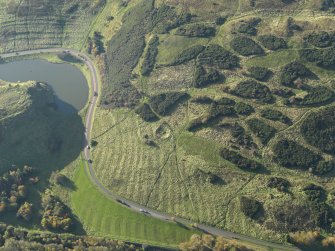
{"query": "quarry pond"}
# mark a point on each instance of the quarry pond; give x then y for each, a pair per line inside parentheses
(68, 82)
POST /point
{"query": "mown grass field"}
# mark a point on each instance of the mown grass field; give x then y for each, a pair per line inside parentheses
(105, 217)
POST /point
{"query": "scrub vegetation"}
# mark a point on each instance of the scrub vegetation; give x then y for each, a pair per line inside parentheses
(221, 112)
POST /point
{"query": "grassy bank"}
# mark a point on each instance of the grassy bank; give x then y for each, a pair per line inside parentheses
(105, 217)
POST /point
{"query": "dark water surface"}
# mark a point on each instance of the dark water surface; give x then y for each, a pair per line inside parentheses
(67, 81)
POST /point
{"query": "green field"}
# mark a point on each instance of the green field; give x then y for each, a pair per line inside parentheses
(275, 59)
(105, 217)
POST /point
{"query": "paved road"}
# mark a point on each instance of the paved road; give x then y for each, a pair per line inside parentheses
(130, 204)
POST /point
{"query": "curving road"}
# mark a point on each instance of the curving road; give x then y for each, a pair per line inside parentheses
(130, 204)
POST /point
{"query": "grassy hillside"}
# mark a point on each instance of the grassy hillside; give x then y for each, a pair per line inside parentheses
(243, 93)
(38, 24)
(217, 111)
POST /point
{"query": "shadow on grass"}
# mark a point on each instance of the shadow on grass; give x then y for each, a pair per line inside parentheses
(47, 137)
(66, 183)
(182, 225)
(262, 170)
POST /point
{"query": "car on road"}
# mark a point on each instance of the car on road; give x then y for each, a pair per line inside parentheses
(122, 202)
(144, 211)
(88, 147)
(89, 161)
(95, 94)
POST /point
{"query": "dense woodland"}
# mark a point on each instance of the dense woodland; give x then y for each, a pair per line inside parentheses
(12, 238)
(208, 242)
(14, 187)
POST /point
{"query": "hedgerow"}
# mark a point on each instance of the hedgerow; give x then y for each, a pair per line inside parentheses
(316, 96)
(275, 116)
(280, 184)
(56, 216)
(188, 54)
(124, 52)
(292, 72)
(324, 167)
(14, 187)
(322, 57)
(196, 30)
(207, 177)
(215, 55)
(68, 57)
(320, 39)
(250, 207)
(315, 193)
(220, 20)
(272, 42)
(123, 95)
(297, 215)
(318, 129)
(244, 109)
(145, 112)
(218, 110)
(292, 155)
(247, 28)
(262, 130)
(327, 4)
(99, 47)
(240, 161)
(204, 77)
(225, 101)
(163, 103)
(246, 46)
(215, 113)
(165, 18)
(259, 73)
(251, 89)
(16, 238)
(150, 56)
(285, 93)
(202, 100)
(196, 124)
(240, 136)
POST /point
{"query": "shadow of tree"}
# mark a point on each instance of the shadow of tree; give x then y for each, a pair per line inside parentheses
(48, 137)
(67, 183)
